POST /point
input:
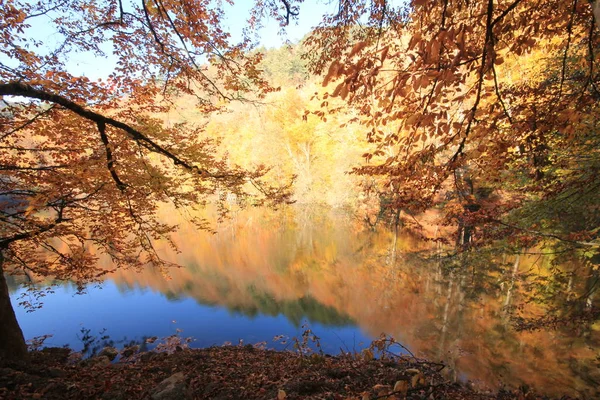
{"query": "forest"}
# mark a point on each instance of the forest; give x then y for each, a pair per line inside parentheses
(465, 130)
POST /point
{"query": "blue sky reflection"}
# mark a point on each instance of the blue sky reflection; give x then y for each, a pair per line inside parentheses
(133, 314)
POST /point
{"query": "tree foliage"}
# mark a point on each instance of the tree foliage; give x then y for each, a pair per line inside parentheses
(485, 110)
(86, 164)
(456, 95)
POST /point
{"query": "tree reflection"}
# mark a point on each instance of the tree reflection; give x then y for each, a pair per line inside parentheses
(476, 310)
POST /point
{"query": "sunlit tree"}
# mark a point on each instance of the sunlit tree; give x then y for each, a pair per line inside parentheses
(85, 164)
(470, 116)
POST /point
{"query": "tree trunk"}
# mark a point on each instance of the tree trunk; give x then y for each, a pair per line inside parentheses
(12, 342)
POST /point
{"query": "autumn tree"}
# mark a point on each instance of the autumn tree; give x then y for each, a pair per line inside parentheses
(85, 164)
(453, 75)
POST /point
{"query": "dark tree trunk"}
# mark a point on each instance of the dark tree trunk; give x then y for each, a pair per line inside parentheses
(12, 342)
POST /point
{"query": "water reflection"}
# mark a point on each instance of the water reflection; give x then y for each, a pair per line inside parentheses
(264, 274)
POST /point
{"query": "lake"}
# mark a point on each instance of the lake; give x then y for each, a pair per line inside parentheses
(266, 274)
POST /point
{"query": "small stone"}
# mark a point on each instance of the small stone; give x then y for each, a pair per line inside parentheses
(148, 356)
(129, 351)
(109, 352)
(95, 361)
(172, 388)
(75, 357)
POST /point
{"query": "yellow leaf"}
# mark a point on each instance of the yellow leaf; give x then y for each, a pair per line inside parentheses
(401, 387)
(281, 395)
(382, 389)
(367, 354)
(415, 379)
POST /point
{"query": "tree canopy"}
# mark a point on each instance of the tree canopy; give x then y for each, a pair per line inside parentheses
(460, 99)
(483, 110)
(85, 164)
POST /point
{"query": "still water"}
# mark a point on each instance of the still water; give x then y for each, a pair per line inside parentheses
(268, 274)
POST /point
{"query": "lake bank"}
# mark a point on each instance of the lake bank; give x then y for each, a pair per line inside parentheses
(233, 372)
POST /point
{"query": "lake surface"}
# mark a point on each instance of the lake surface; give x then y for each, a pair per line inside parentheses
(268, 274)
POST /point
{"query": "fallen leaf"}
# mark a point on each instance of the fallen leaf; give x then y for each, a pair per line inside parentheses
(401, 386)
(416, 379)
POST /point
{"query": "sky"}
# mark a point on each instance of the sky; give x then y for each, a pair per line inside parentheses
(311, 12)
(271, 35)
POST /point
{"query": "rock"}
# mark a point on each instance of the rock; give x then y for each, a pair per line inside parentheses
(109, 352)
(129, 351)
(148, 356)
(75, 357)
(151, 339)
(95, 361)
(172, 388)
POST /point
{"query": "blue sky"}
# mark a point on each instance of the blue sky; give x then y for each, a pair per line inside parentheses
(311, 12)
(310, 15)
(271, 35)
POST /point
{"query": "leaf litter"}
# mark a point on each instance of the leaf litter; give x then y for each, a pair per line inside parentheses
(234, 372)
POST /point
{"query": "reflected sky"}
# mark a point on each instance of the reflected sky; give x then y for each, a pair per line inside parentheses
(127, 314)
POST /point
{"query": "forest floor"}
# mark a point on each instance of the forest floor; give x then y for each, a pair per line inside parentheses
(231, 372)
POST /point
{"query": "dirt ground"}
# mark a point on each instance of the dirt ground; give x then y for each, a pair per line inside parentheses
(230, 372)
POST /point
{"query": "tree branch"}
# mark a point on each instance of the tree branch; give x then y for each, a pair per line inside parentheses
(566, 53)
(27, 235)
(505, 12)
(20, 168)
(289, 11)
(26, 124)
(489, 25)
(109, 157)
(24, 90)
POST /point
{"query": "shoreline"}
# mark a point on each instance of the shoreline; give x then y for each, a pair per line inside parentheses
(233, 372)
